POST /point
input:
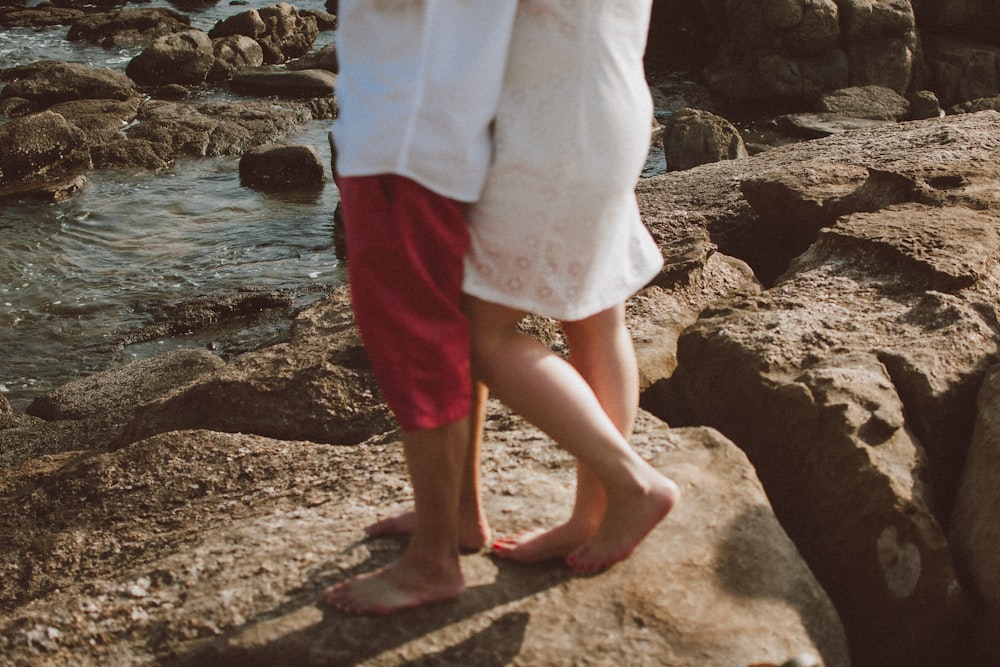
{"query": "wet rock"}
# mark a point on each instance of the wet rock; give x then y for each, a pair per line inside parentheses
(173, 129)
(248, 23)
(125, 28)
(184, 57)
(282, 32)
(49, 82)
(325, 58)
(286, 84)
(233, 53)
(39, 144)
(171, 91)
(38, 17)
(241, 309)
(325, 21)
(5, 408)
(44, 188)
(692, 137)
(279, 168)
(101, 121)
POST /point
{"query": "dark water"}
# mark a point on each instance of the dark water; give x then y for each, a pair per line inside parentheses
(76, 275)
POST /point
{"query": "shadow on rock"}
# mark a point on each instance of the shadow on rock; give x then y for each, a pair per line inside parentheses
(745, 569)
(476, 628)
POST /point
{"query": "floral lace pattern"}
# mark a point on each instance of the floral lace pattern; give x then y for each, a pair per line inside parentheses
(557, 230)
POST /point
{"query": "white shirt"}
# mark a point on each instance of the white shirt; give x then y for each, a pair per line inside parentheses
(418, 87)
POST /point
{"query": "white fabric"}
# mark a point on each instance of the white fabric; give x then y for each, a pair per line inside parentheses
(557, 230)
(418, 87)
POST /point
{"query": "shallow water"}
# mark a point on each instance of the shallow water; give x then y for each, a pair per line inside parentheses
(76, 275)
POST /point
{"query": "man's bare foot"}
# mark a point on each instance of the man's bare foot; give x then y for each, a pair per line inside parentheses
(535, 546)
(474, 533)
(394, 588)
(626, 523)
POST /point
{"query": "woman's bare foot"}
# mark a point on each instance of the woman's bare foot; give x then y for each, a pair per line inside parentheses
(626, 523)
(474, 531)
(394, 588)
(535, 546)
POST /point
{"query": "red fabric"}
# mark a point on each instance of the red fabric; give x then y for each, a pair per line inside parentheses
(405, 248)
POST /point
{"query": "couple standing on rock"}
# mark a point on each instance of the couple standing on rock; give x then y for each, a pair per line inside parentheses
(486, 154)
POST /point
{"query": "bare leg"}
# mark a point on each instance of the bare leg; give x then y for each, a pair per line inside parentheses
(429, 569)
(553, 395)
(473, 527)
(601, 351)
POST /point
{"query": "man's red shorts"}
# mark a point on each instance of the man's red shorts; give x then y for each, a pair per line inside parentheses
(405, 249)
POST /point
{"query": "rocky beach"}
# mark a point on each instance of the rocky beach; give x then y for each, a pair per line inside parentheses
(818, 361)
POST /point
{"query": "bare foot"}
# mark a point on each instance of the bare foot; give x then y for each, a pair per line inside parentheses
(474, 533)
(534, 546)
(626, 522)
(393, 588)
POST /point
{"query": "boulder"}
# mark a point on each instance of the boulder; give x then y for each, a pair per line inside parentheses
(38, 17)
(49, 82)
(203, 548)
(5, 408)
(816, 125)
(286, 84)
(25, 439)
(961, 69)
(289, 34)
(887, 62)
(815, 395)
(694, 276)
(924, 104)
(865, 20)
(325, 59)
(52, 188)
(172, 129)
(38, 144)
(183, 57)
(787, 50)
(318, 386)
(89, 413)
(975, 528)
(776, 77)
(872, 102)
(127, 28)
(117, 392)
(861, 362)
(101, 121)
(233, 53)
(801, 27)
(282, 32)
(325, 21)
(280, 167)
(692, 137)
(978, 18)
(248, 23)
(976, 105)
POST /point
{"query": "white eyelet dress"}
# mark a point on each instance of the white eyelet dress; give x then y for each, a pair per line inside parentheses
(557, 230)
